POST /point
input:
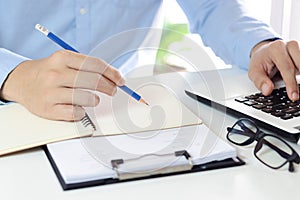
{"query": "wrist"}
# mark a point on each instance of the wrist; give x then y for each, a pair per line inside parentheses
(261, 43)
(11, 88)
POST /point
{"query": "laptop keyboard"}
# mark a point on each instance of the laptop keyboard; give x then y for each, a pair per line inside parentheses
(277, 104)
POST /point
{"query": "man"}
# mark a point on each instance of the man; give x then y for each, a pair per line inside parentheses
(45, 80)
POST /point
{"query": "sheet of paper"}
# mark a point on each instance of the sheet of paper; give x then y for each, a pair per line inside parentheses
(89, 159)
(123, 114)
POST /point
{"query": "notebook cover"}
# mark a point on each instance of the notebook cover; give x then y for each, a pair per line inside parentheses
(20, 129)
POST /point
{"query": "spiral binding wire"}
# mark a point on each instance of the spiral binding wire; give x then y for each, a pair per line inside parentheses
(86, 121)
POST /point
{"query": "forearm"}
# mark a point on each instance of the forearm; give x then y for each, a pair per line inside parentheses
(226, 27)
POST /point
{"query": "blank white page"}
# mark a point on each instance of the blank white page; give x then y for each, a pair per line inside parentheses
(123, 114)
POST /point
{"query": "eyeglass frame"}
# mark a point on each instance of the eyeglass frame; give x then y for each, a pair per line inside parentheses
(259, 137)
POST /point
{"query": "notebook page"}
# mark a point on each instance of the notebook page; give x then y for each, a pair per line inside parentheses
(123, 114)
(21, 129)
(89, 159)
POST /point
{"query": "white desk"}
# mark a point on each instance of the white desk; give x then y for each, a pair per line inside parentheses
(28, 175)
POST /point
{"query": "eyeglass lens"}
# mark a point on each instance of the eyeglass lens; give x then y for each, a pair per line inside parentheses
(242, 131)
(272, 151)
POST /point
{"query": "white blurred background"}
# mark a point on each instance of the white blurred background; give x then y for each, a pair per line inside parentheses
(282, 15)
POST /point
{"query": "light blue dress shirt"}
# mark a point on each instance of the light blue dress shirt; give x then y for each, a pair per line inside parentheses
(222, 24)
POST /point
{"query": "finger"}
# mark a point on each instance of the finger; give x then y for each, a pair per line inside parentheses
(106, 86)
(294, 52)
(68, 58)
(261, 79)
(66, 112)
(287, 69)
(99, 66)
(91, 81)
(80, 79)
(74, 97)
(91, 64)
(114, 75)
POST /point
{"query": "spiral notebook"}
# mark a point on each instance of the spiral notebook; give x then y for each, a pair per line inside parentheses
(21, 129)
(120, 114)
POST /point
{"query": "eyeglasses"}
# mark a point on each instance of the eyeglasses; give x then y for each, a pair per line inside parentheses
(270, 149)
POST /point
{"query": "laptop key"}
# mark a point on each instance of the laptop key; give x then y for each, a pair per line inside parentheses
(280, 106)
(296, 114)
(241, 99)
(261, 100)
(250, 103)
(253, 96)
(290, 110)
(278, 113)
(259, 106)
(287, 116)
(267, 110)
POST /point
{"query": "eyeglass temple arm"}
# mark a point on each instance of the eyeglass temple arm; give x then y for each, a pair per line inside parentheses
(291, 166)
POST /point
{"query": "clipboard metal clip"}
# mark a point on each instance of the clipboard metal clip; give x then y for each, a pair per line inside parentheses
(152, 164)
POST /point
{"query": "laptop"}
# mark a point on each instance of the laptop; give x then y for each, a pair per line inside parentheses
(231, 90)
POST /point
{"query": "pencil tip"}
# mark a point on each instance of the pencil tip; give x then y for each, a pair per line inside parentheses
(143, 101)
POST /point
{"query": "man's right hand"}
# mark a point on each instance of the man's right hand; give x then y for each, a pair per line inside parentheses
(58, 87)
(268, 58)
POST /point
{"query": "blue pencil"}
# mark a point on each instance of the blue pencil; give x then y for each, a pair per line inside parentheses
(64, 45)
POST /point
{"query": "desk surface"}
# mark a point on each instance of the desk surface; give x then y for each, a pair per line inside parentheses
(28, 175)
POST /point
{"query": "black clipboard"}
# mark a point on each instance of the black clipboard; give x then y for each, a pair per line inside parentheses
(229, 162)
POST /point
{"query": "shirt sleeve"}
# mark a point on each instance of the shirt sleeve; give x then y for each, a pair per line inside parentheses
(227, 28)
(8, 61)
